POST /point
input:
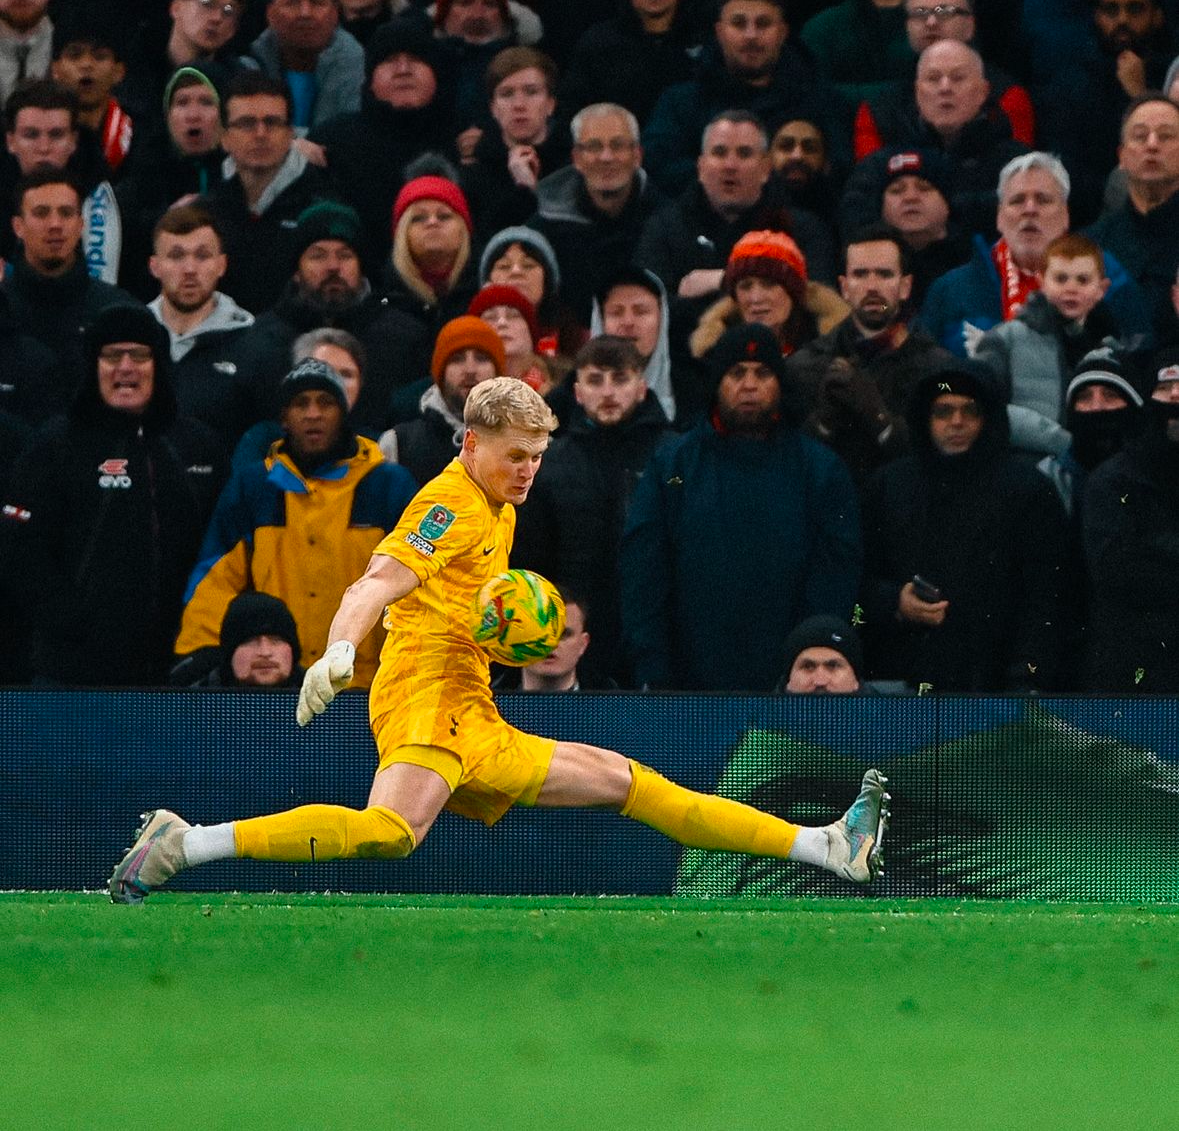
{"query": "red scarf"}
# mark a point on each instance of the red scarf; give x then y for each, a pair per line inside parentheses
(1016, 285)
(115, 134)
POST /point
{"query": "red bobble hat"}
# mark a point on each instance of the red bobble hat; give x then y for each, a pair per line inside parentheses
(431, 188)
(463, 333)
(768, 255)
(500, 294)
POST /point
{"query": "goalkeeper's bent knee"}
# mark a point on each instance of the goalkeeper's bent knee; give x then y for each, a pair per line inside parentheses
(325, 832)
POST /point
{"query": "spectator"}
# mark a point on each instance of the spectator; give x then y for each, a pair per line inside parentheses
(1144, 232)
(405, 111)
(1102, 413)
(754, 69)
(823, 656)
(984, 531)
(109, 502)
(513, 318)
(523, 258)
(1130, 519)
(207, 330)
(883, 114)
(474, 32)
(88, 62)
(194, 33)
(15, 656)
(1087, 99)
(327, 287)
(301, 524)
(322, 66)
(911, 194)
(994, 285)
(804, 165)
(688, 243)
(174, 166)
(362, 19)
(593, 211)
(777, 512)
(571, 524)
(1034, 355)
(257, 649)
(467, 352)
(521, 143)
(558, 671)
(856, 379)
(335, 348)
(42, 133)
(26, 43)
(950, 116)
(268, 185)
(632, 304)
(766, 281)
(633, 56)
(50, 293)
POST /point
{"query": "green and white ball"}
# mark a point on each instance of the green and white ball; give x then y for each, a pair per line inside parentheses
(518, 617)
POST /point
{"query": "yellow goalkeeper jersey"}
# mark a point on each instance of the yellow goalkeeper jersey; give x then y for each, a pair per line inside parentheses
(454, 540)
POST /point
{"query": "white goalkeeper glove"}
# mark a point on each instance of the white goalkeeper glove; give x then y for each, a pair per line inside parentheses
(325, 679)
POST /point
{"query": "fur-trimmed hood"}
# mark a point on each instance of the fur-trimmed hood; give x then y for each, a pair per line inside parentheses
(822, 303)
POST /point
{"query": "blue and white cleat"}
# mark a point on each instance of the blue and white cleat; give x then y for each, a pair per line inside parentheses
(855, 843)
(156, 856)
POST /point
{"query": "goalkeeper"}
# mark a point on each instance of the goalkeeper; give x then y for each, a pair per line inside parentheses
(440, 740)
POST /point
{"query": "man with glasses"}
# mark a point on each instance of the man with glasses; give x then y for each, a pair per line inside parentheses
(270, 182)
(964, 550)
(106, 509)
(593, 210)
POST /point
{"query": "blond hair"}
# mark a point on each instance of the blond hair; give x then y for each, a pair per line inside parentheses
(507, 402)
(406, 266)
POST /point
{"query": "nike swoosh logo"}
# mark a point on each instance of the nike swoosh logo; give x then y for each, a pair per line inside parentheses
(488, 550)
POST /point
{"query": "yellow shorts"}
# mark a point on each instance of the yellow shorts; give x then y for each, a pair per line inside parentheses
(488, 772)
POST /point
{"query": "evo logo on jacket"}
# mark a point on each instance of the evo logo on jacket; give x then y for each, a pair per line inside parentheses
(114, 473)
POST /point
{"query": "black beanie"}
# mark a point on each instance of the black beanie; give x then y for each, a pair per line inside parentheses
(751, 341)
(402, 34)
(311, 373)
(257, 614)
(825, 632)
(124, 322)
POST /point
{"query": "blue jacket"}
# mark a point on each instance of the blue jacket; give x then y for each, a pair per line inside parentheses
(971, 293)
(729, 543)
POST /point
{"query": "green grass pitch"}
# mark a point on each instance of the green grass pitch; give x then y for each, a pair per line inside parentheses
(245, 1011)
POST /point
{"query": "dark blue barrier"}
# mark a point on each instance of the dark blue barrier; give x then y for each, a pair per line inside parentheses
(1062, 798)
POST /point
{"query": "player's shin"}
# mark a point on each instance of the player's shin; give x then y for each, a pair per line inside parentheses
(702, 820)
(325, 832)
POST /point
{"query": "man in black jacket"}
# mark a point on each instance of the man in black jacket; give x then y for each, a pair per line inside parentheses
(106, 508)
(571, 526)
(270, 184)
(50, 293)
(964, 550)
(856, 380)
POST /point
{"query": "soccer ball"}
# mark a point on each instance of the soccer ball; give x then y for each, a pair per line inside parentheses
(518, 617)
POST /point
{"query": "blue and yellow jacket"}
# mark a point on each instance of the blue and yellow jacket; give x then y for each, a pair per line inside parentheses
(303, 539)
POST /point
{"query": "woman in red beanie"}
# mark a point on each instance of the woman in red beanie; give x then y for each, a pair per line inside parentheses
(513, 318)
(431, 274)
(766, 281)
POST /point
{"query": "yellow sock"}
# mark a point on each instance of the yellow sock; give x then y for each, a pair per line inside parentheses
(324, 832)
(702, 820)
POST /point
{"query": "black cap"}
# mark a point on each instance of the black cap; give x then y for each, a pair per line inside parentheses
(751, 341)
(257, 614)
(311, 373)
(825, 632)
(326, 220)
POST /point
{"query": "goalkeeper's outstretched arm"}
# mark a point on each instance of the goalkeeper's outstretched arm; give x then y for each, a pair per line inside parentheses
(383, 583)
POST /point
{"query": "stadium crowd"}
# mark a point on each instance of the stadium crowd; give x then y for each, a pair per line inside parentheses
(864, 310)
